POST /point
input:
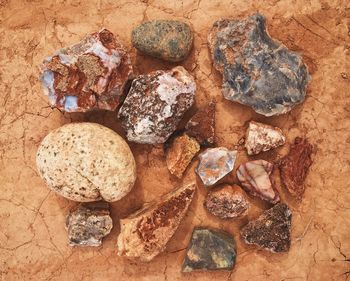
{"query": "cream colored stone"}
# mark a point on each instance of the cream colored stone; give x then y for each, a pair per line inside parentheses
(86, 162)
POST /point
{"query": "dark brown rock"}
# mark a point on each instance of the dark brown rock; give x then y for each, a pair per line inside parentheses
(89, 75)
(202, 125)
(271, 231)
(295, 165)
(227, 202)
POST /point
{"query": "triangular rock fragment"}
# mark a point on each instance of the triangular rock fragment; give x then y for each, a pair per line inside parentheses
(271, 231)
(210, 249)
(144, 234)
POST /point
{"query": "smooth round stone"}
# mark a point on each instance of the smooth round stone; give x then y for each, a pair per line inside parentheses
(165, 39)
(86, 162)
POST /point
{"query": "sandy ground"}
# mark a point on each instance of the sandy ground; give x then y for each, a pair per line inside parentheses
(33, 241)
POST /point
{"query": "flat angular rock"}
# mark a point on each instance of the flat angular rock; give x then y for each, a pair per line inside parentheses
(165, 39)
(210, 249)
(202, 125)
(144, 234)
(261, 137)
(295, 165)
(215, 163)
(227, 202)
(255, 179)
(257, 71)
(271, 231)
(89, 75)
(88, 224)
(155, 105)
(180, 154)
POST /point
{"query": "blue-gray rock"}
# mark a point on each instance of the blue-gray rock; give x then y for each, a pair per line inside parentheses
(210, 249)
(257, 71)
(165, 39)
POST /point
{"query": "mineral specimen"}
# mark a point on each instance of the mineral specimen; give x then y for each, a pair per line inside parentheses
(215, 163)
(255, 179)
(88, 224)
(144, 234)
(295, 165)
(165, 39)
(210, 249)
(227, 202)
(155, 104)
(89, 75)
(202, 125)
(271, 230)
(261, 137)
(86, 162)
(257, 71)
(180, 154)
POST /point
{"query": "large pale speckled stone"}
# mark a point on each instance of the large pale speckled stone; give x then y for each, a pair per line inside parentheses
(86, 162)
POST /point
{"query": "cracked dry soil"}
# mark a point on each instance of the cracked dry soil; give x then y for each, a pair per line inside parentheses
(33, 241)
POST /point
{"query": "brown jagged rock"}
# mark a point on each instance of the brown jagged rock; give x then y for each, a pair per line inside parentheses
(270, 231)
(295, 165)
(180, 154)
(144, 234)
(202, 125)
(227, 202)
(90, 75)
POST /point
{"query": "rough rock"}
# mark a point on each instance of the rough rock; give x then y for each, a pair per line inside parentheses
(88, 224)
(165, 39)
(180, 154)
(86, 162)
(144, 234)
(295, 165)
(215, 163)
(271, 230)
(255, 179)
(261, 137)
(155, 105)
(257, 71)
(210, 249)
(89, 75)
(227, 202)
(202, 125)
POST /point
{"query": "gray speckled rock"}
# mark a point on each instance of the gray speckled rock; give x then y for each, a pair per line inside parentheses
(257, 71)
(86, 162)
(210, 249)
(165, 39)
(155, 105)
(88, 224)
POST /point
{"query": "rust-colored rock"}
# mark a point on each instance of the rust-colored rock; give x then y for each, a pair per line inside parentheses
(255, 179)
(89, 75)
(202, 125)
(144, 234)
(180, 154)
(295, 165)
(227, 202)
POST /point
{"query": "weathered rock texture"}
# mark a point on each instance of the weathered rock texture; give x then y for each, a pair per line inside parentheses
(257, 71)
(155, 104)
(255, 179)
(210, 249)
(261, 137)
(86, 162)
(180, 154)
(165, 39)
(88, 224)
(89, 75)
(295, 166)
(202, 125)
(270, 231)
(144, 234)
(227, 202)
(215, 163)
